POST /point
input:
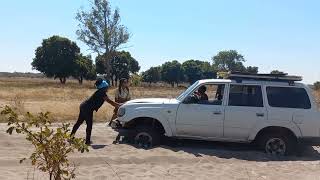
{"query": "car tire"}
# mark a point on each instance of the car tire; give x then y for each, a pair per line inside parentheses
(146, 137)
(278, 144)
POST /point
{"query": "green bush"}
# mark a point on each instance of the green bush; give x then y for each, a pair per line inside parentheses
(51, 146)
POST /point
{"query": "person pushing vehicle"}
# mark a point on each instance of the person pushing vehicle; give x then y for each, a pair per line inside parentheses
(93, 103)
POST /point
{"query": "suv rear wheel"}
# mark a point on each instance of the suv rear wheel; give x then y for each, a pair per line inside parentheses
(279, 144)
(146, 137)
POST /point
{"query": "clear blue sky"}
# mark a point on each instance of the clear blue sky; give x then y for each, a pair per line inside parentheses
(271, 34)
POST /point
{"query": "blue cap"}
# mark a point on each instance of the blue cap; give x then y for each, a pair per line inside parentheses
(103, 84)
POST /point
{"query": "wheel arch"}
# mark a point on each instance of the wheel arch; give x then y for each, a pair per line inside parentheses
(275, 129)
(149, 121)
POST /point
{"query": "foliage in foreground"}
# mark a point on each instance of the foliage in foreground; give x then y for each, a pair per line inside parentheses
(51, 147)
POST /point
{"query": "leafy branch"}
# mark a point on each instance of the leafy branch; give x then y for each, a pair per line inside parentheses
(51, 146)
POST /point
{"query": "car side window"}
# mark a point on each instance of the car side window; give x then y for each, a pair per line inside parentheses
(288, 97)
(245, 95)
(209, 94)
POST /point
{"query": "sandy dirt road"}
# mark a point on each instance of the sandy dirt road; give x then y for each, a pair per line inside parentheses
(174, 160)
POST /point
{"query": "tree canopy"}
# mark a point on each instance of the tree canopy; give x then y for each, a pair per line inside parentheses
(56, 57)
(171, 72)
(152, 75)
(84, 69)
(277, 72)
(101, 30)
(194, 70)
(231, 60)
(252, 69)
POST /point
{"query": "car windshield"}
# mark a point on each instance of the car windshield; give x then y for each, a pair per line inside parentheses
(186, 92)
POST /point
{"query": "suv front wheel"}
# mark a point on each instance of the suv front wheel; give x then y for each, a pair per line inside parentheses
(146, 137)
(279, 144)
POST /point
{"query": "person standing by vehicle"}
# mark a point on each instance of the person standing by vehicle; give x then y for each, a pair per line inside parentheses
(122, 95)
(93, 103)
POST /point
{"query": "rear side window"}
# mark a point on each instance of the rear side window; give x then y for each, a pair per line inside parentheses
(242, 95)
(288, 97)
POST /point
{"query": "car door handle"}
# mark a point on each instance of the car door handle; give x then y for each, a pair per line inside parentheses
(260, 114)
(217, 112)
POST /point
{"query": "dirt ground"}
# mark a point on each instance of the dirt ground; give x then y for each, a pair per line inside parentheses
(176, 159)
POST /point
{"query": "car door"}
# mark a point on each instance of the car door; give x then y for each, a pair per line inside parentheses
(203, 119)
(288, 105)
(244, 110)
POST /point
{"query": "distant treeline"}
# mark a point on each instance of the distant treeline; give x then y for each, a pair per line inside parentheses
(173, 72)
(22, 74)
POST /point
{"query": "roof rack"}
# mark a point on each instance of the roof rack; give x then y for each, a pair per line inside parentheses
(264, 77)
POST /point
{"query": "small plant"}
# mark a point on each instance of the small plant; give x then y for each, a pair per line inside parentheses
(51, 147)
(18, 104)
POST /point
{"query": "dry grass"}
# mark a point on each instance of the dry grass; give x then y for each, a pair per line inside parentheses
(39, 95)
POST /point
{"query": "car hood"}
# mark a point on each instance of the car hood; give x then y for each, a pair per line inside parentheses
(152, 101)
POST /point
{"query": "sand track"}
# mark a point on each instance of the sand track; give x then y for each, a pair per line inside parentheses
(174, 160)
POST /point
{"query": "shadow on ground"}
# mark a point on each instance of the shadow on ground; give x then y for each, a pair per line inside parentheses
(98, 146)
(248, 152)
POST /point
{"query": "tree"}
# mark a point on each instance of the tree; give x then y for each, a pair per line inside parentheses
(277, 72)
(101, 30)
(192, 70)
(84, 69)
(152, 75)
(122, 65)
(56, 57)
(316, 85)
(100, 65)
(171, 72)
(252, 69)
(208, 71)
(229, 60)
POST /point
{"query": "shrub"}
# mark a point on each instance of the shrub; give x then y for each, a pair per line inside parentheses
(316, 85)
(51, 147)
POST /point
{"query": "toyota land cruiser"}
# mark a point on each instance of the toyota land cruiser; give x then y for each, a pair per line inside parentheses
(275, 111)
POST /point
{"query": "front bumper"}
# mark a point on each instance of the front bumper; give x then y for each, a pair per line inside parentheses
(117, 126)
(311, 141)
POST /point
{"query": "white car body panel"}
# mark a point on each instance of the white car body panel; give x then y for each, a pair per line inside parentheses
(238, 124)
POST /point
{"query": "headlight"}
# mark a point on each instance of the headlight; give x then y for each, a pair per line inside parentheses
(121, 112)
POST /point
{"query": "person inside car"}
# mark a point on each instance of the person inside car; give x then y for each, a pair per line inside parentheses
(201, 93)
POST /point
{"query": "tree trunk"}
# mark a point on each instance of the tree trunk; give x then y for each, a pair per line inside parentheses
(172, 84)
(80, 79)
(63, 80)
(116, 81)
(108, 57)
(112, 81)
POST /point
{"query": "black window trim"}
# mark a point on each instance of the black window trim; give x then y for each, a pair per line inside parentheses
(279, 86)
(246, 84)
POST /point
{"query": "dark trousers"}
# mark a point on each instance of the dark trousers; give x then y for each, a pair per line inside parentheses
(84, 115)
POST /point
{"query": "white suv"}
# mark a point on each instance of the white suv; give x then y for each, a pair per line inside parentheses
(272, 110)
